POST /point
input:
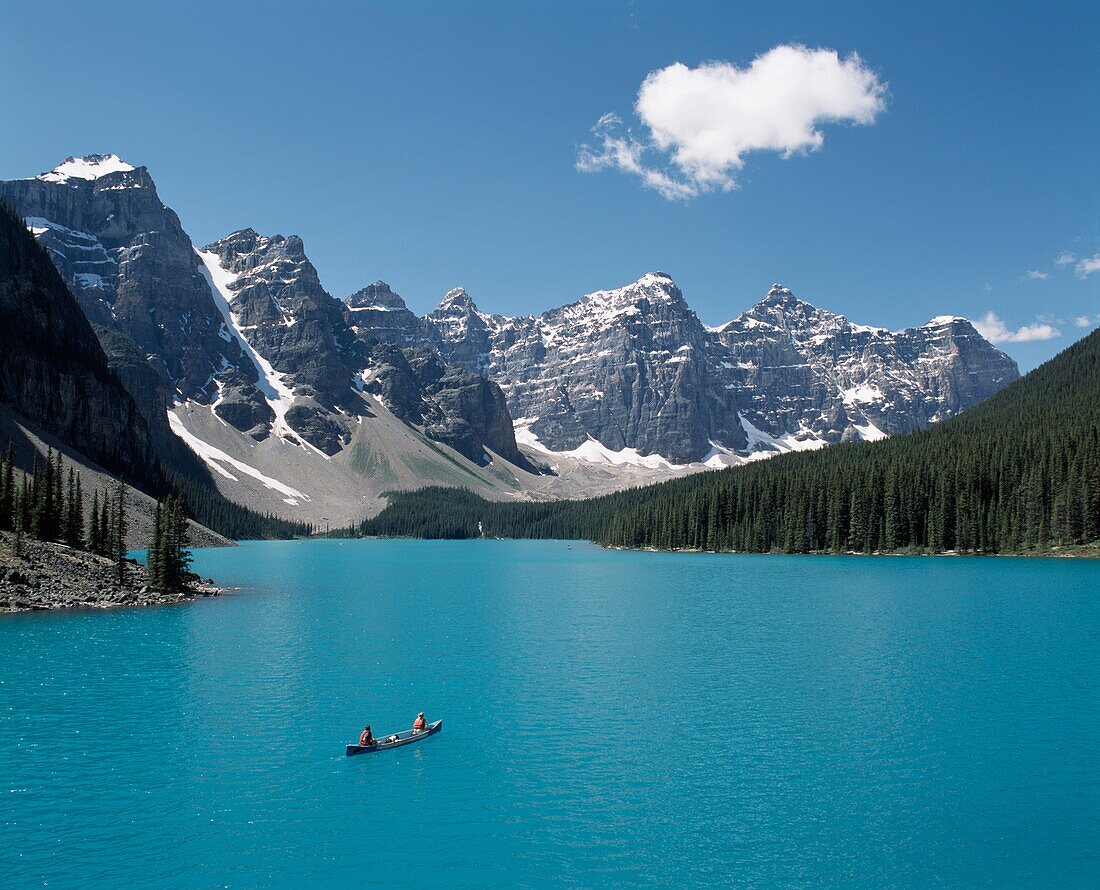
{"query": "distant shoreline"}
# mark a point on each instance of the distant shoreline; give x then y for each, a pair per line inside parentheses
(1078, 551)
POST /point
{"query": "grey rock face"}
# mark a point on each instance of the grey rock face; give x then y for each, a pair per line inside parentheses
(627, 367)
(136, 275)
(150, 285)
(53, 370)
(463, 336)
(634, 368)
(811, 374)
(132, 268)
(452, 405)
(288, 317)
(376, 311)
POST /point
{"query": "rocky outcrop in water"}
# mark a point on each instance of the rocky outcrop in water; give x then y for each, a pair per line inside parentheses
(39, 575)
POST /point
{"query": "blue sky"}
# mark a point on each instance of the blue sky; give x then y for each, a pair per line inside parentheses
(436, 145)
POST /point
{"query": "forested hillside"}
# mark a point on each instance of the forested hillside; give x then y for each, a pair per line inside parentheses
(1018, 473)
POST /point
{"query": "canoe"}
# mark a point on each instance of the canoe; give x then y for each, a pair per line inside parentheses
(403, 738)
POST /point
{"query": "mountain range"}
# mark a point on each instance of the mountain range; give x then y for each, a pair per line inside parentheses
(314, 407)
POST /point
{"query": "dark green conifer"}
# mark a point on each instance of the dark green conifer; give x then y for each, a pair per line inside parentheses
(95, 536)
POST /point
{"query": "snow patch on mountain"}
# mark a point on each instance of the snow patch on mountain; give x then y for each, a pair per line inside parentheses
(864, 392)
(271, 384)
(764, 444)
(591, 451)
(87, 167)
(215, 457)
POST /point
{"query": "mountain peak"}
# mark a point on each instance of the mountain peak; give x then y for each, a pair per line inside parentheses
(651, 284)
(378, 295)
(779, 295)
(941, 320)
(87, 167)
(780, 307)
(456, 299)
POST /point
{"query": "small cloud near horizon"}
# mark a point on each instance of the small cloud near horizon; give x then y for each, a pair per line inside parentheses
(1065, 258)
(705, 120)
(1083, 321)
(1035, 275)
(995, 330)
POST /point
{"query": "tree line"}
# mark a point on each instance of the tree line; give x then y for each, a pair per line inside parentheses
(168, 559)
(48, 504)
(1019, 473)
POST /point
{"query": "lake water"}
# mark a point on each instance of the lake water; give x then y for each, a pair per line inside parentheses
(610, 718)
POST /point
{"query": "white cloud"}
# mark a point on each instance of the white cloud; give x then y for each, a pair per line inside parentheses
(1082, 321)
(1035, 275)
(1065, 258)
(1087, 265)
(705, 120)
(987, 287)
(995, 331)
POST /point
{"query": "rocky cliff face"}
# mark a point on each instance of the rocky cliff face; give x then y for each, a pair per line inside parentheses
(132, 269)
(131, 266)
(807, 375)
(296, 334)
(631, 373)
(242, 326)
(378, 312)
(52, 368)
(626, 367)
(320, 350)
(452, 405)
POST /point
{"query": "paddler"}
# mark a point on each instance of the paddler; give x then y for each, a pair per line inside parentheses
(367, 738)
(420, 724)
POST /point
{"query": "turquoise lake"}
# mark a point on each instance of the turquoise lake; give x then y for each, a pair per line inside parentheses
(610, 719)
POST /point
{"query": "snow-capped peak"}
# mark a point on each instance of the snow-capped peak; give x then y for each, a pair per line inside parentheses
(778, 294)
(375, 296)
(87, 167)
(941, 320)
(652, 284)
(456, 298)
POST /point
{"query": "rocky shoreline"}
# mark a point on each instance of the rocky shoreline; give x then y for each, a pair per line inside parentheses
(52, 576)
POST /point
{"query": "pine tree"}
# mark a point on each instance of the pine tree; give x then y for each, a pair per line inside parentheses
(58, 516)
(95, 537)
(74, 512)
(154, 562)
(120, 532)
(7, 489)
(180, 539)
(18, 513)
(169, 559)
(106, 524)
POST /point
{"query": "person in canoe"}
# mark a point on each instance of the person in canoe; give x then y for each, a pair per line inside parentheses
(420, 724)
(367, 738)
